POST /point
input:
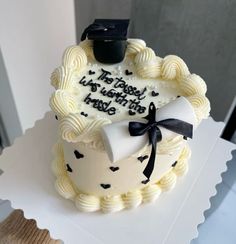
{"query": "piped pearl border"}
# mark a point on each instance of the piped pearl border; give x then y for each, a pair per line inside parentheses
(107, 204)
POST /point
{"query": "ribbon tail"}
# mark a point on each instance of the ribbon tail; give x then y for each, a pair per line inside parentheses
(151, 162)
(154, 137)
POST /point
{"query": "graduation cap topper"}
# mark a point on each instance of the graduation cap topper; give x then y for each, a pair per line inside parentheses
(109, 39)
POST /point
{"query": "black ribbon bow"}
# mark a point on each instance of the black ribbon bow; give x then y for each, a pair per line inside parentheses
(154, 133)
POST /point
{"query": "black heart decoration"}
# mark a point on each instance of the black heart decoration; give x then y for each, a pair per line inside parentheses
(154, 94)
(128, 72)
(84, 114)
(105, 186)
(173, 165)
(131, 112)
(142, 158)
(78, 155)
(91, 72)
(114, 169)
(68, 168)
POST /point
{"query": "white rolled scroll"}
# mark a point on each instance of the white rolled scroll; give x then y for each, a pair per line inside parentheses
(119, 144)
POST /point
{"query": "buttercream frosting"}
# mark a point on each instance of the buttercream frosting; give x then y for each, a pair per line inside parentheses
(111, 204)
(135, 46)
(74, 58)
(173, 67)
(87, 203)
(63, 103)
(151, 192)
(132, 199)
(168, 181)
(65, 187)
(193, 84)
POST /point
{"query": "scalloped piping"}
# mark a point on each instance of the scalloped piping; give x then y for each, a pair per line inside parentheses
(148, 65)
(108, 204)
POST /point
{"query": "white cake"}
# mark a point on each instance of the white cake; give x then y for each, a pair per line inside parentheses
(98, 164)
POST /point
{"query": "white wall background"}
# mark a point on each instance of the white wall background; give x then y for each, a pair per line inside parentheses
(33, 36)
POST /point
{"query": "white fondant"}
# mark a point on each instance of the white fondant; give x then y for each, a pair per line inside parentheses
(118, 142)
(180, 109)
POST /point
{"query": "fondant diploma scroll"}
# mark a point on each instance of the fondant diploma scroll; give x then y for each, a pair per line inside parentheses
(124, 138)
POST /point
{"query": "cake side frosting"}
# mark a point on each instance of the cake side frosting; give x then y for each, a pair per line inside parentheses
(94, 174)
(90, 203)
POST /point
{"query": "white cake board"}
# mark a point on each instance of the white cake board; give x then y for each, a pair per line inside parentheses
(28, 183)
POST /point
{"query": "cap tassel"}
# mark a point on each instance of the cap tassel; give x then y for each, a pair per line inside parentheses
(95, 27)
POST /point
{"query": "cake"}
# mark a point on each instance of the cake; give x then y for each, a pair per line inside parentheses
(125, 116)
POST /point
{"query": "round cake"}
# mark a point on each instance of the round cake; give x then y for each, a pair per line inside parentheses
(123, 126)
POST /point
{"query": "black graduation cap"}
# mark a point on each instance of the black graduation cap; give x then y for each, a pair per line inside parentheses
(109, 39)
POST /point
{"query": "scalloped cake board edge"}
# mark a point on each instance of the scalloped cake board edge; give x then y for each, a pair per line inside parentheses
(217, 166)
